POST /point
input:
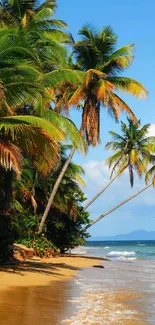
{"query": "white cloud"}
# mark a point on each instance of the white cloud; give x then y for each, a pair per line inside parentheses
(97, 172)
(97, 176)
(151, 131)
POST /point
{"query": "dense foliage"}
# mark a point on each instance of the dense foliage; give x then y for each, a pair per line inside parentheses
(43, 73)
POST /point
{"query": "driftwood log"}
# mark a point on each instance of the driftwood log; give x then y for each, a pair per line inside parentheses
(21, 251)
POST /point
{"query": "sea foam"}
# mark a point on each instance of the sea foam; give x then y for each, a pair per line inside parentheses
(121, 253)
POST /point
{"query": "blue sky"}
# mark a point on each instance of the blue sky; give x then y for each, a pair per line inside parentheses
(133, 22)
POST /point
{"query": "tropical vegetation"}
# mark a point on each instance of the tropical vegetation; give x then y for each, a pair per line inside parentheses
(96, 55)
(44, 74)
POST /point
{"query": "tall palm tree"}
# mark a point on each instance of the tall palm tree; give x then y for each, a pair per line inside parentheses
(133, 151)
(97, 56)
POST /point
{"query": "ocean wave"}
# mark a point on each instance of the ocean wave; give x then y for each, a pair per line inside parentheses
(101, 308)
(106, 247)
(121, 253)
(141, 245)
(79, 251)
(126, 259)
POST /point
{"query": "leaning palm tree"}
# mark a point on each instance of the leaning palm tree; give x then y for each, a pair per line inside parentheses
(150, 176)
(133, 151)
(117, 206)
(97, 56)
(35, 188)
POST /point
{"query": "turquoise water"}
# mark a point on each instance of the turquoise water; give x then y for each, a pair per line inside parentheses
(121, 250)
(130, 269)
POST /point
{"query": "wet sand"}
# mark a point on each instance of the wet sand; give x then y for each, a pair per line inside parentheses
(113, 308)
(116, 295)
(36, 292)
(41, 293)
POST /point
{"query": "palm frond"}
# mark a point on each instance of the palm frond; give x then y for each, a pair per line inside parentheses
(77, 97)
(119, 60)
(116, 102)
(69, 128)
(129, 85)
(43, 14)
(10, 157)
(150, 174)
(55, 78)
(16, 124)
(133, 156)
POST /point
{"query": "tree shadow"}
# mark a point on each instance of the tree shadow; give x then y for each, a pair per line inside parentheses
(21, 267)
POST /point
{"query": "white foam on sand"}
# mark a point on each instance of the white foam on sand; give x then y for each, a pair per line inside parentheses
(97, 308)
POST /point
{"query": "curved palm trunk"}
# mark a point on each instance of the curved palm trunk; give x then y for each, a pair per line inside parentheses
(115, 207)
(104, 189)
(90, 126)
(99, 193)
(54, 191)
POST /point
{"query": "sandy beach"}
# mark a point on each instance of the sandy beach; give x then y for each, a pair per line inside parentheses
(35, 292)
(42, 272)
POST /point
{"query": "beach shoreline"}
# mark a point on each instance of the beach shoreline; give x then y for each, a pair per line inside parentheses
(37, 291)
(41, 291)
(43, 271)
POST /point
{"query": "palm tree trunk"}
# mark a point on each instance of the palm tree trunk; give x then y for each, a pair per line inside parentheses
(5, 238)
(54, 191)
(115, 207)
(99, 193)
(5, 233)
(8, 178)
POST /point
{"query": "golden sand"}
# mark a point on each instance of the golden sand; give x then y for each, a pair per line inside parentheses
(42, 272)
(34, 292)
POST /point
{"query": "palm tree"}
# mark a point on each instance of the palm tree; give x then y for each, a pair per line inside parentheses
(22, 81)
(35, 188)
(132, 151)
(30, 136)
(116, 207)
(42, 30)
(96, 55)
(13, 11)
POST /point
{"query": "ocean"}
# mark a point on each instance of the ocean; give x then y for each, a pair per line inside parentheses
(121, 293)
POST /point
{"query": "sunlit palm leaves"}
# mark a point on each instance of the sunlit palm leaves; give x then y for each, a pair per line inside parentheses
(97, 56)
(32, 136)
(134, 150)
